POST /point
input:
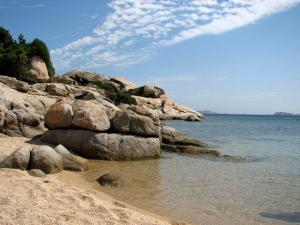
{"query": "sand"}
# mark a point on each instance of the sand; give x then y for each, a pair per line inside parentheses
(62, 198)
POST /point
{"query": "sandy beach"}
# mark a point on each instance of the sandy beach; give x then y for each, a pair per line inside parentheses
(56, 200)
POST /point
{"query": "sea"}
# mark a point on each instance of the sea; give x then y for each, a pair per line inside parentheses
(263, 189)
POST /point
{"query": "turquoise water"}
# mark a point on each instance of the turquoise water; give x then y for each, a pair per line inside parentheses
(264, 189)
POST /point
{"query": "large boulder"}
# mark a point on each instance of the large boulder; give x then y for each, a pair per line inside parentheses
(69, 160)
(19, 159)
(22, 114)
(89, 115)
(46, 159)
(125, 84)
(57, 89)
(107, 146)
(14, 83)
(60, 115)
(83, 77)
(38, 70)
(136, 120)
(147, 91)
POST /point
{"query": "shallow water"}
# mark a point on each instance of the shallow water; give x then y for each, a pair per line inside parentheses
(265, 189)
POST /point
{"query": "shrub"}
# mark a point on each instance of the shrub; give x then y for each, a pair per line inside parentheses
(121, 97)
(108, 87)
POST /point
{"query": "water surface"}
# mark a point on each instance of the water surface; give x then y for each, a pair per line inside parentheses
(265, 189)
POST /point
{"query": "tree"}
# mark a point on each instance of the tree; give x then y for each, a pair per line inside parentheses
(22, 40)
(5, 37)
(15, 56)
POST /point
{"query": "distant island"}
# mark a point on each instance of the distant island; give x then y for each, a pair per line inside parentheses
(207, 112)
(285, 114)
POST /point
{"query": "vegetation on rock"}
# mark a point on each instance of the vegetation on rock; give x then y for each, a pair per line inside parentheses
(15, 55)
(114, 94)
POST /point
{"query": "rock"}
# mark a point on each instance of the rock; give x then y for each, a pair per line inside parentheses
(234, 158)
(69, 161)
(39, 87)
(110, 180)
(171, 135)
(147, 91)
(109, 108)
(38, 70)
(89, 115)
(107, 146)
(192, 118)
(19, 159)
(63, 80)
(167, 109)
(83, 77)
(57, 89)
(125, 84)
(136, 121)
(36, 173)
(22, 114)
(189, 149)
(14, 83)
(60, 115)
(46, 159)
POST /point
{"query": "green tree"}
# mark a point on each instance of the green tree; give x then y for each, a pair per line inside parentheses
(5, 37)
(22, 40)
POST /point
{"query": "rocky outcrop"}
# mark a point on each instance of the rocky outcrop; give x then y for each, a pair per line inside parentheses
(22, 114)
(19, 159)
(83, 77)
(136, 120)
(125, 84)
(107, 146)
(63, 80)
(147, 91)
(175, 141)
(14, 83)
(168, 109)
(46, 159)
(59, 115)
(38, 70)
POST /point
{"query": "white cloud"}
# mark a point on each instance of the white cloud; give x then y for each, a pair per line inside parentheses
(134, 28)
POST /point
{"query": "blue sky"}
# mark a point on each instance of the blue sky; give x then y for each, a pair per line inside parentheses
(234, 56)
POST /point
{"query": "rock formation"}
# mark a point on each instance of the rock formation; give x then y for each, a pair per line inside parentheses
(38, 70)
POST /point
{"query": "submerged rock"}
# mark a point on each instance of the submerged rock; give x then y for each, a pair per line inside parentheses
(190, 149)
(107, 146)
(46, 159)
(110, 180)
(19, 159)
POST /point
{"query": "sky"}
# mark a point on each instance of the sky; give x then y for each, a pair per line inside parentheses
(229, 56)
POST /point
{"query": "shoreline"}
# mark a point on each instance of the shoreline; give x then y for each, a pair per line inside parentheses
(46, 197)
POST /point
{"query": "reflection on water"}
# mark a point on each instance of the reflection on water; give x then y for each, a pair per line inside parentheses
(212, 191)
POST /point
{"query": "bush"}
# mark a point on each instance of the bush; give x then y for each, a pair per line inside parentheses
(15, 56)
(121, 97)
(114, 94)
